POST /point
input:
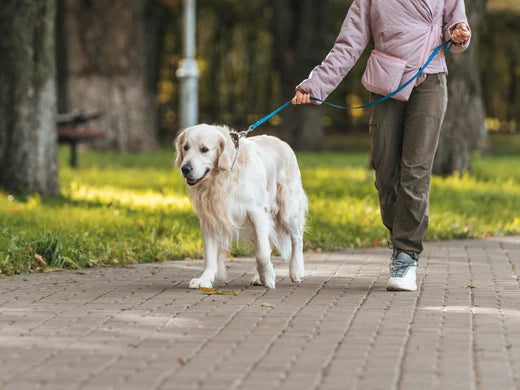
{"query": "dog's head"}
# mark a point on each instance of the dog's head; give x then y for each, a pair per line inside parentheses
(202, 150)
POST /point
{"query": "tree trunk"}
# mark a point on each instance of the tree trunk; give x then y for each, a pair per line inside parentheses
(300, 43)
(463, 131)
(28, 97)
(112, 65)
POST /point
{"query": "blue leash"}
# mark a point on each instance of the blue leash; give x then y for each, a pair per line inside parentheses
(446, 46)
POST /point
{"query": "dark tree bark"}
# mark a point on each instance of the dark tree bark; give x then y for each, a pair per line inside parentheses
(28, 97)
(111, 63)
(300, 43)
(463, 131)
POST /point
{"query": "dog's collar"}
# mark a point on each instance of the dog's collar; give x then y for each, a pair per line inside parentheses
(235, 137)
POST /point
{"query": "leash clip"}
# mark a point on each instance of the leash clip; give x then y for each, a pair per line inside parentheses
(235, 137)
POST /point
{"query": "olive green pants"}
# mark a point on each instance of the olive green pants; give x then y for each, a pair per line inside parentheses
(404, 138)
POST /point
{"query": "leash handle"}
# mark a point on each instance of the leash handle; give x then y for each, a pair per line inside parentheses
(445, 45)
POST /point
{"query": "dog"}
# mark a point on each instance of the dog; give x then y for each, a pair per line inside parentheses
(250, 190)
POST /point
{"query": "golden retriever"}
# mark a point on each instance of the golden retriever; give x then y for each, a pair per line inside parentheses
(252, 191)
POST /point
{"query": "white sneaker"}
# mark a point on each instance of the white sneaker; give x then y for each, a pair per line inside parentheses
(402, 273)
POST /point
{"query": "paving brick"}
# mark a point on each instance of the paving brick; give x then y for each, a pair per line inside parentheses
(339, 329)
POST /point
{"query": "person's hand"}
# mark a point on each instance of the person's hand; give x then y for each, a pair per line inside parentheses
(460, 33)
(301, 98)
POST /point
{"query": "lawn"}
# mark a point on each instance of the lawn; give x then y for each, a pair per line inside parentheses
(118, 209)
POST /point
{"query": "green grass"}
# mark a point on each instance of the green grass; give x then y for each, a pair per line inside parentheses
(118, 209)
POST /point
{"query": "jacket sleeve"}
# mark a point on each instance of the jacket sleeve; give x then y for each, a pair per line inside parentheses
(454, 13)
(350, 43)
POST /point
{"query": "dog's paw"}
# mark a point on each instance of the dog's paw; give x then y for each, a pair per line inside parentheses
(255, 281)
(268, 278)
(221, 275)
(295, 276)
(296, 271)
(200, 282)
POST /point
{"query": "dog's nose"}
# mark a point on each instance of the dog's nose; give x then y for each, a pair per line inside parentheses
(186, 169)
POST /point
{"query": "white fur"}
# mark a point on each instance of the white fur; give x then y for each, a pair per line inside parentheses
(260, 198)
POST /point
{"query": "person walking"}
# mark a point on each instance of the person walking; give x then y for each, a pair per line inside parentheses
(404, 130)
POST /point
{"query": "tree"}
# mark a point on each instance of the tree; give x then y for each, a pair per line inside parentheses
(300, 41)
(28, 96)
(111, 64)
(463, 130)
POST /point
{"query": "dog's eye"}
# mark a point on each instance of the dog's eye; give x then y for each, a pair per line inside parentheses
(204, 150)
(186, 147)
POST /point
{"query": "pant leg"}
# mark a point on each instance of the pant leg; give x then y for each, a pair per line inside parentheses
(386, 137)
(423, 120)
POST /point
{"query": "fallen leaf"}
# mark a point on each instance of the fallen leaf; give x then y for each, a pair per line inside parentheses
(181, 360)
(267, 304)
(40, 260)
(470, 286)
(211, 291)
(208, 290)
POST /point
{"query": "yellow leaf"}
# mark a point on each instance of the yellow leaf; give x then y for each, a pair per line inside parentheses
(267, 304)
(208, 290)
(211, 291)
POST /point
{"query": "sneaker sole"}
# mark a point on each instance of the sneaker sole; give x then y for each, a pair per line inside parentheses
(397, 285)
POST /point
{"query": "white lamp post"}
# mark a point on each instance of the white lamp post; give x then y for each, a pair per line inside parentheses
(188, 71)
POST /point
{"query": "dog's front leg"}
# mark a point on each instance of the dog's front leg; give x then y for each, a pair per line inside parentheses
(211, 248)
(263, 249)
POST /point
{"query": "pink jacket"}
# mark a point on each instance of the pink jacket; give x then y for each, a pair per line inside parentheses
(404, 31)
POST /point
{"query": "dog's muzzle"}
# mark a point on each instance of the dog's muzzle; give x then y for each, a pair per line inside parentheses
(187, 171)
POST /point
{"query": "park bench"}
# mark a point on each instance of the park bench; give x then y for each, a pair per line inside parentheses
(70, 132)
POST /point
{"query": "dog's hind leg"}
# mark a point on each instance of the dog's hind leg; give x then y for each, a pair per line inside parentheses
(221, 265)
(296, 265)
(211, 251)
(264, 266)
(293, 210)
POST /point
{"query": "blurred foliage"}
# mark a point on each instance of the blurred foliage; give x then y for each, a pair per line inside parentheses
(122, 208)
(500, 69)
(504, 5)
(238, 82)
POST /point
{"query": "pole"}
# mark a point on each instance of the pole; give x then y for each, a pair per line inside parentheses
(188, 71)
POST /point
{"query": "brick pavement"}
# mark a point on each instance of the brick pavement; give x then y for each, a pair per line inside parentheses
(141, 328)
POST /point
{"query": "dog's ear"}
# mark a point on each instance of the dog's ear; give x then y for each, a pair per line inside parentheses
(226, 153)
(178, 149)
